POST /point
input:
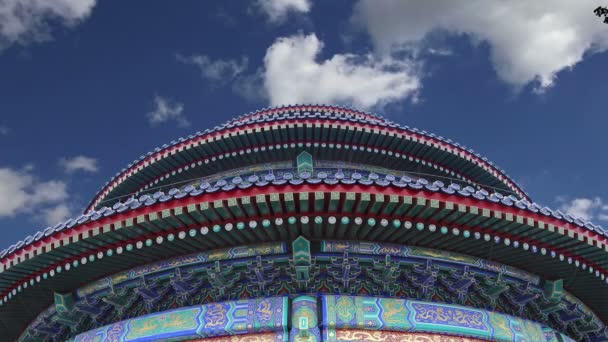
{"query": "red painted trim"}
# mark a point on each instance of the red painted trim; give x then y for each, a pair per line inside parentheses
(465, 178)
(389, 190)
(175, 231)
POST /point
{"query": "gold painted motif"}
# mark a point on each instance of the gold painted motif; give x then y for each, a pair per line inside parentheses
(393, 336)
(532, 330)
(162, 323)
(345, 309)
(264, 311)
(392, 250)
(215, 316)
(501, 325)
(267, 337)
(445, 255)
(394, 312)
(449, 316)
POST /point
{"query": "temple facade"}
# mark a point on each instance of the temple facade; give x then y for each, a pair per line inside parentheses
(309, 223)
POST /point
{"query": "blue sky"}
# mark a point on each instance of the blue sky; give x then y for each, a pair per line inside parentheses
(86, 87)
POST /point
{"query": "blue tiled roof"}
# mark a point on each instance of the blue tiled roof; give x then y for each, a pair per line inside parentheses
(324, 177)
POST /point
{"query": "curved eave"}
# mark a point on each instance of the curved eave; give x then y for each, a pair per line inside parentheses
(581, 321)
(180, 152)
(547, 246)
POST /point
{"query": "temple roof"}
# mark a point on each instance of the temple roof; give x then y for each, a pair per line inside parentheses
(235, 185)
(371, 207)
(327, 126)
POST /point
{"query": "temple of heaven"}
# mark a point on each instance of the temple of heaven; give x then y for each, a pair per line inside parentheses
(309, 223)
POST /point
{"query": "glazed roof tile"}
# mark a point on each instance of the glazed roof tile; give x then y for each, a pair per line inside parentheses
(301, 110)
(421, 183)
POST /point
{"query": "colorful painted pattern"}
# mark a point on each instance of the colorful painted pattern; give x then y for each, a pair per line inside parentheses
(374, 313)
(394, 336)
(220, 254)
(268, 337)
(555, 336)
(425, 253)
(304, 320)
(264, 315)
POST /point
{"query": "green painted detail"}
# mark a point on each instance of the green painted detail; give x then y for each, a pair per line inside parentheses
(64, 302)
(554, 290)
(289, 202)
(241, 317)
(301, 251)
(334, 201)
(349, 202)
(319, 201)
(275, 203)
(304, 319)
(389, 314)
(262, 205)
(304, 203)
(305, 162)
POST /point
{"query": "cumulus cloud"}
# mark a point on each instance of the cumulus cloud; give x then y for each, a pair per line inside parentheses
(277, 10)
(165, 110)
(251, 87)
(222, 71)
(79, 163)
(586, 208)
(529, 41)
(56, 214)
(25, 21)
(21, 192)
(294, 74)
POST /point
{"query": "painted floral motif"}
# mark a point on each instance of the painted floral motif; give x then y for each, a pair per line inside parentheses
(394, 312)
(268, 337)
(264, 311)
(430, 313)
(177, 320)
(393, 336)
(345, 309)
(215, 316)
(115, 332)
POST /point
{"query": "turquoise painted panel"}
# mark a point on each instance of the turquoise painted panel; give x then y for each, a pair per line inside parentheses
(304, 320)
(220, 254)
(305, 163)
(217, 319)
(426, 253)
(555, 336)
(375, 313)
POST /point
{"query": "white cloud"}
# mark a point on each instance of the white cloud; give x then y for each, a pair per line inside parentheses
(293, 74)
(21, 192)
(81, 163)
(529, 41)
(251, 87)
(165, 111)
(53, 215)
(277, 10)
(586, 208)
(222, 71)
(3, 130)
(24, 21)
